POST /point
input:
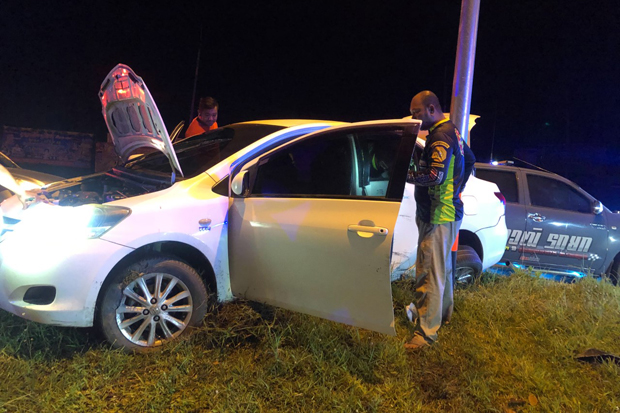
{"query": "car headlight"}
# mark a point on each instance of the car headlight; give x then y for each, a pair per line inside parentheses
(45, 235)
(45, 221)
(103, 218)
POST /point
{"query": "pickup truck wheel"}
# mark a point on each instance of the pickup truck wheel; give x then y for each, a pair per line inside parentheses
(614, 273)
(151, 302)
(468, 265)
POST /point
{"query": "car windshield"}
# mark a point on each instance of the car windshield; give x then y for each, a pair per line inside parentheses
(199, 153)
(7, 162)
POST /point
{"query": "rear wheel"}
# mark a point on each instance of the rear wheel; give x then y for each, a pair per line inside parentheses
(468, 265)
(151, 302)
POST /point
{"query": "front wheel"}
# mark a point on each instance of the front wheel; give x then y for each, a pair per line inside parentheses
(151, 302)
(614, 273)
(468, 265)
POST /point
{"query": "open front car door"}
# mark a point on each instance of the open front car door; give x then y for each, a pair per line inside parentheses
(311, 222)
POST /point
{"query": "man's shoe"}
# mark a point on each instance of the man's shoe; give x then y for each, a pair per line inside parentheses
(416, 343)
(447, 315)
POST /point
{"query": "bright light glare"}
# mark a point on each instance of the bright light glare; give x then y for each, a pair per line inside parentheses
(27, 185)
(7, 181)
(256, 224)
(50, 221)
(47, 234)
(495, 163)
(559, 224)
(158, 144)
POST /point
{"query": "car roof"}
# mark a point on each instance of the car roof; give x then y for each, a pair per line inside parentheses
(503, 167)
(287, 123)
(499, 166)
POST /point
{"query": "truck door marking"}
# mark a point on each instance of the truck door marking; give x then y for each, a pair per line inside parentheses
(570, 243)
(557, 242)
(518, 237)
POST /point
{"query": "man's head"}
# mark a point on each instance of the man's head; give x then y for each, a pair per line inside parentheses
(207, 110)
(425, 107)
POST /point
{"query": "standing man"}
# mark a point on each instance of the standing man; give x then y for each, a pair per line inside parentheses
(444, 166)
(206, 119)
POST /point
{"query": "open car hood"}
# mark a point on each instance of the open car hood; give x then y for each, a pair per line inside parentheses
(132, 117)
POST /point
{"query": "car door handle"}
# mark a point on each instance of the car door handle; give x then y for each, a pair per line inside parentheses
(364, 228)
(536, 217)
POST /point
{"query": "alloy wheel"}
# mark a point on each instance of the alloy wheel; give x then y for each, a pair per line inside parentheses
(154, 308)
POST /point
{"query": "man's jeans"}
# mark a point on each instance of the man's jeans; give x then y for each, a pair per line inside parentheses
(434, 282)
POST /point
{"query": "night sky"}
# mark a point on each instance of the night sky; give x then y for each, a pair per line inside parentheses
(545, 82)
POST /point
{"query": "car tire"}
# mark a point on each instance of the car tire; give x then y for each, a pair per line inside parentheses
(468, 265)
(614, 272)
(151, 302)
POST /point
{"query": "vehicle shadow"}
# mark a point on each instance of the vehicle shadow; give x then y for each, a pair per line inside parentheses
(33, 341)
(239, 323)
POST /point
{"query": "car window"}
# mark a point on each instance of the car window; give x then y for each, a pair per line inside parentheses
(200, 152)
(345, 163)
(551, 193)
(506, 181)
(221, 188)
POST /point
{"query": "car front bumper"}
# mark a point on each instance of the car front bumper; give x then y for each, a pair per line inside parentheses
(75, 271)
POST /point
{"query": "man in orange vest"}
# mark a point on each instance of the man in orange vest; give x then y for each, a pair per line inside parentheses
(206, 119)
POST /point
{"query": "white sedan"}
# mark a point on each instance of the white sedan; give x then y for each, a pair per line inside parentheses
(293, 213)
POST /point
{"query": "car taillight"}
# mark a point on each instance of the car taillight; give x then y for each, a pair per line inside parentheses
(500, 197)
(125, 87)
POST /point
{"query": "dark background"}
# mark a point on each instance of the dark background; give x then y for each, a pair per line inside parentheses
(545, 84)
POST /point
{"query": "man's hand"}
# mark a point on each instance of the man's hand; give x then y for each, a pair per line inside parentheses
(33, 196)
(410, 176)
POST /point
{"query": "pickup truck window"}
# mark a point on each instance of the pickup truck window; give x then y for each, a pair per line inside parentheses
(551, 193)
(505, 181)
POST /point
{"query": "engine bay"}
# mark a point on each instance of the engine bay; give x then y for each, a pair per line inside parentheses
(118, 183)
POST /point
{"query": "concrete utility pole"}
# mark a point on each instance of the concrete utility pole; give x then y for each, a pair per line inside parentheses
(191, 111)
(464, 66)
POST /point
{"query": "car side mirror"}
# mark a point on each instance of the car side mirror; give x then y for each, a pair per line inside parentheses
(597, 207)
(238, 185)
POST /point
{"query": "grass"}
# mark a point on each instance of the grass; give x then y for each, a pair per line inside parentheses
(510, 348)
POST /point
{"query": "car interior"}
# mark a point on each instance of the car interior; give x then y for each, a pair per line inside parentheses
(351, 164)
